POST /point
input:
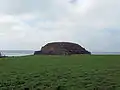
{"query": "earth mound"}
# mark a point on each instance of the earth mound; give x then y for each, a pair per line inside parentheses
(62, 48)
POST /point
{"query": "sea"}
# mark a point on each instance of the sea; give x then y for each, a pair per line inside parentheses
(31, 52)
(16, 52)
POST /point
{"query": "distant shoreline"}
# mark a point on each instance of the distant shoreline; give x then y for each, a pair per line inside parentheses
(16, 52)
(106, 53)
(31, 52)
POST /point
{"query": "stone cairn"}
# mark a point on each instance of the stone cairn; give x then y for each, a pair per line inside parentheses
(61, 48)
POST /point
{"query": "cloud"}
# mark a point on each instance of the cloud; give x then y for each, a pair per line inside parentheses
(29, 24)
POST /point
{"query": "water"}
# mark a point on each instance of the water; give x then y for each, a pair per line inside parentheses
(106, 53)
(16, 52)
(30, 52)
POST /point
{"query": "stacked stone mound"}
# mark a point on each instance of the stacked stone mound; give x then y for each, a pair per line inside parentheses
(1, 55)
(62, 48)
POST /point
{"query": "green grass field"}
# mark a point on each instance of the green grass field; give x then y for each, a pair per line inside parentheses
(78, 72)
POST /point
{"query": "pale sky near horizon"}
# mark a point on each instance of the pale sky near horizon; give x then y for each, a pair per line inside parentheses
(30, 24)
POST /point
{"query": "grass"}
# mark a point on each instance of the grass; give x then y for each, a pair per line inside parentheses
(77, 72)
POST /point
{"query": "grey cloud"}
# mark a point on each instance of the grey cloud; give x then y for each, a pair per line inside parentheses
(93, 27)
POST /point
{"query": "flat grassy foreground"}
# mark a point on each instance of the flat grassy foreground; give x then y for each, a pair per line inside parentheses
(78, 72)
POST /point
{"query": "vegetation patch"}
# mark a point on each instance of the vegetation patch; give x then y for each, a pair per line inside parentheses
(75, 72)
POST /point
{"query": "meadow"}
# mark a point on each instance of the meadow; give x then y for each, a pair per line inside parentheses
(75, 72)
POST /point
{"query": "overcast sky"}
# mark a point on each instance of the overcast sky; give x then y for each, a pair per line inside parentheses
(30, 24)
